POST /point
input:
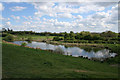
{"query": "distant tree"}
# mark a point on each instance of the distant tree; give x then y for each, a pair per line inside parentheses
(72, 35)
(57, 38)
(88, 37)
(77, 36)
(109, 34)
(9, 29)
(66, 36)
(96, 37)
(85, 33)
(29, 39)
(9, 38)
(4, 30)
(81, 35)
(47, 36)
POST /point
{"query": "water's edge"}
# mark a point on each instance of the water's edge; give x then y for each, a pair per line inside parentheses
(73, 50)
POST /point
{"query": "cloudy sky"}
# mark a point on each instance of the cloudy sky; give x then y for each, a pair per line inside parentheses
(60, 16)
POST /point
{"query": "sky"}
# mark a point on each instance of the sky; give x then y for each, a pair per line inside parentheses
(60, 16)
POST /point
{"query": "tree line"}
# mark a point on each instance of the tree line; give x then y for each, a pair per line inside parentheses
(81, 37)
(87, 37)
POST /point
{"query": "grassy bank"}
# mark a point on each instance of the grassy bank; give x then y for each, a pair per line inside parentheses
(74, 44)
(116, 49)
(22, 62)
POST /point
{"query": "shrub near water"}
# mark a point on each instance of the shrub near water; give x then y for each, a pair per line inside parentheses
(9, 38)
(23, 44)
(29, 40)
(57, 38)
(59, 50)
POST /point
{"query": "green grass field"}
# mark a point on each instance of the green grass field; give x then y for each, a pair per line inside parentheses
(34, 37)
(22, 62)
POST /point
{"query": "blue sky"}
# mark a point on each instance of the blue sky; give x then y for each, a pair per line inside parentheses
(6, 13)
(60, 17)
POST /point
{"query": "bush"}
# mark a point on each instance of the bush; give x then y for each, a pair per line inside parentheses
(29, 40)
(98, 41)
(76, 41)
(69, 41)
(83, 41)
(59, 50)
(4, 35)
(56, 38)
(112, 42)
(23, 44)
(90, 41)
(114, 38)
(9, 38)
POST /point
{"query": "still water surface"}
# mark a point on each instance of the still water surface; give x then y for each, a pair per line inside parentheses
(100, 54)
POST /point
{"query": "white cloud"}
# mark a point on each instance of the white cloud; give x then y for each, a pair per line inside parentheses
(27, 18)
(8, 23)
(36, 18)
(64, 9)
(1, 18)
(59, 1)
(100, 15)
(78, 17)
(17, 8)
(15, 17)
(62, 24)
(24, 17)
(65, 15)
(26, 23)
(105, 4)
(100, 20)
(1, 7)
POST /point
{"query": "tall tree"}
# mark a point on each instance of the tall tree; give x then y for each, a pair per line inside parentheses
(72, 35)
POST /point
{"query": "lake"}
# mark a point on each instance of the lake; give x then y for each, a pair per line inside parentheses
(87, 52)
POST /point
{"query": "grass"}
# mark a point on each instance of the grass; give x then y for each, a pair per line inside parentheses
(116, 49)
(22, 62)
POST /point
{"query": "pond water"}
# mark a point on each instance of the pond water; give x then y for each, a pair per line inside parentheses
(90, 53)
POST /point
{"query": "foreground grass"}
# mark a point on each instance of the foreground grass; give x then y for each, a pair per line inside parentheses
(21, 62)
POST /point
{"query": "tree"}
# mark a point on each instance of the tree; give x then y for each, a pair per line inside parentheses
(47, 36)
(4, 30)
(8, 29)
(66, 36)
(72, 35)
(11, 30)
(88, 37)
(59, 50)
(56, 38)
(29, 40)
(85, 33)
(23, 44)
(109, 34)
(77, 36)
(9, 38)
(96, 37)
